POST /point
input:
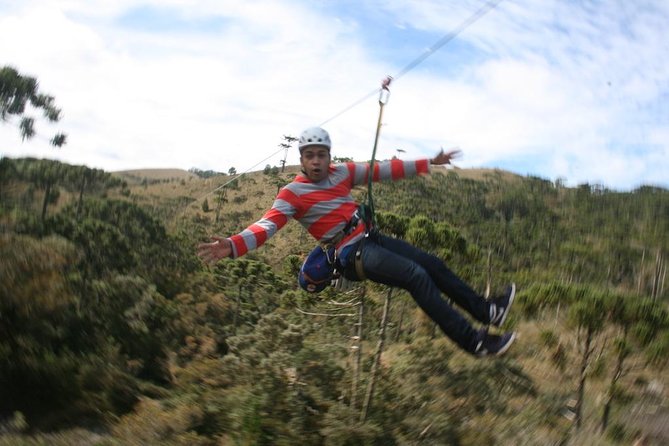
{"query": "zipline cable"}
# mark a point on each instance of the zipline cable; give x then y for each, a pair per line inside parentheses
(384, 92)
(384, 95)
(483, 10)
(238, 176)
(478, 14)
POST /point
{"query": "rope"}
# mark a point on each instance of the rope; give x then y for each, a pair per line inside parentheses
(384, 95)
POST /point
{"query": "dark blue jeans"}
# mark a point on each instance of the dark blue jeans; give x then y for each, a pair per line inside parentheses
(396, 263)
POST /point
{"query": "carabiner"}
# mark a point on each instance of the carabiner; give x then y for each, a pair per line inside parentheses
(384, 93)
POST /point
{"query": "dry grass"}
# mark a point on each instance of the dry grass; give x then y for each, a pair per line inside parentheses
(535, 357)
(155, 174)
(481, 174)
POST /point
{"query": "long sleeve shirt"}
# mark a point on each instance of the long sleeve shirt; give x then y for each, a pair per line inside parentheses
(323, 208)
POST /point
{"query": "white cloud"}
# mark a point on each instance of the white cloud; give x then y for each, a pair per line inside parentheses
(578, 78)
(219, 82)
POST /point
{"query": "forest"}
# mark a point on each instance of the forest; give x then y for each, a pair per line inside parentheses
(113, 332)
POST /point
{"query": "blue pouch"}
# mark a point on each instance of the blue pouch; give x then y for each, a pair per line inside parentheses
(318, 270)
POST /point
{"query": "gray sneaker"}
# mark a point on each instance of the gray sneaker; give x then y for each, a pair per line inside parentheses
(493, 345)
(500, 306)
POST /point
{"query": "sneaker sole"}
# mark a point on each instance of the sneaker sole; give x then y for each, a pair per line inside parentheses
(508, 307)
(507, 345)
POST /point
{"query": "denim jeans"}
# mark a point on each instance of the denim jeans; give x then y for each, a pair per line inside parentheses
(399, 264)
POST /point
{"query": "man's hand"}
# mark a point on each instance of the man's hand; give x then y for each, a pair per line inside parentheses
(213, 252)
(445, 157)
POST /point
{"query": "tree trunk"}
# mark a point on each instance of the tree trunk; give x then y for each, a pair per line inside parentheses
(657, 275)
(643, 257)
(235, 319)
(81, 197)
(218, 209)
(610, 392)
(549, 249)
(45, 202)
(398, 332)
(582, 377)
(664, 276)
(654, 283)
(356, 350)
(377, 358)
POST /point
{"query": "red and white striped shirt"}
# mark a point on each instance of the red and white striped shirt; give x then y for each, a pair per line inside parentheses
(323, 208)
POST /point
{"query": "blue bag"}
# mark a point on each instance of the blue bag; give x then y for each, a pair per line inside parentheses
(318, 269)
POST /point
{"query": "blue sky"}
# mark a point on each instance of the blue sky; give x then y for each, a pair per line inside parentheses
(576, 90)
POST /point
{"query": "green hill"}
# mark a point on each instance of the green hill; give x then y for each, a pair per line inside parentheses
(113, 332)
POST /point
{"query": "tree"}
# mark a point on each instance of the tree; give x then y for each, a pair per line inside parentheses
(369, 395)
(46, 175)
(54, 363)
(135, 315)
(221, 195)
(120, 237)
(286, 144)
(640, 322)
(82, 179)
(621, 314)
(255, 285)
(16, 92)
(588, 316)
(279, 182)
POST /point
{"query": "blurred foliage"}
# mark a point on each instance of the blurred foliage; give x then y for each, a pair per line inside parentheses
(112, 331)
(20, 96)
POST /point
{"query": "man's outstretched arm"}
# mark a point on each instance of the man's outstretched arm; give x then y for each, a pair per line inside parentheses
(254, 235)
(216, 250)
(445, 157)
(397, 169)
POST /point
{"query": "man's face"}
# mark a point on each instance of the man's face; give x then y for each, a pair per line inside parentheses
(315, 162)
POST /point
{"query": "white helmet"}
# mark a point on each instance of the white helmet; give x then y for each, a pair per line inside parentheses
(314, 136)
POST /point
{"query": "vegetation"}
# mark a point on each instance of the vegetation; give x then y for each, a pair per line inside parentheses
(17, 91)
(113, 332)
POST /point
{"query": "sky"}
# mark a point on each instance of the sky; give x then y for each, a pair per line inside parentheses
(559, 89)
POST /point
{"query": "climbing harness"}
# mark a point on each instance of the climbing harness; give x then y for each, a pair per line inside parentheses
(357, 260)
(320, 267)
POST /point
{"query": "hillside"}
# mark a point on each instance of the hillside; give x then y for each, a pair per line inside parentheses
(153, 175)
(113, 332)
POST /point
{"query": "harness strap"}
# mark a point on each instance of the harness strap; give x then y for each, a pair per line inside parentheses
(357, 218)
(357, 262)
(361, 216)
(384, 94)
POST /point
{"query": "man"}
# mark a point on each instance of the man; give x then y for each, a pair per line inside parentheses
(320, 199)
